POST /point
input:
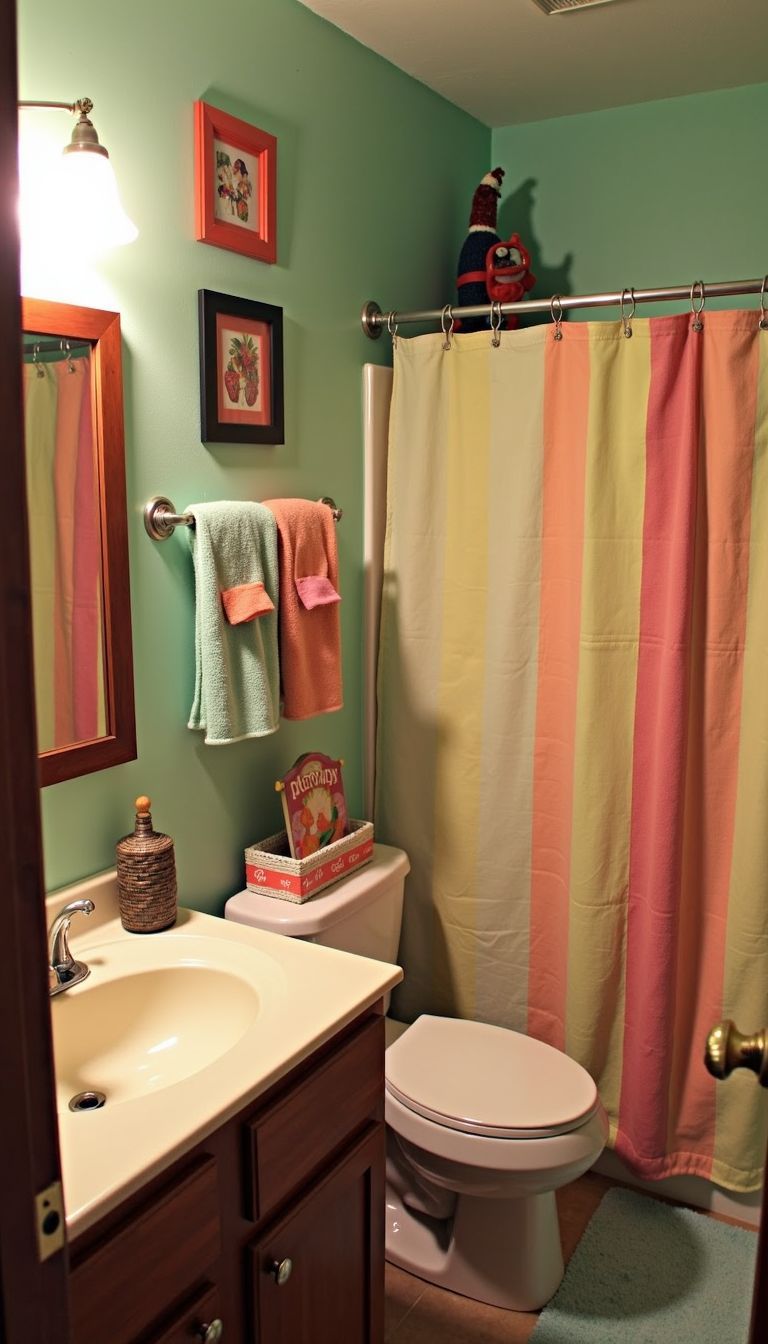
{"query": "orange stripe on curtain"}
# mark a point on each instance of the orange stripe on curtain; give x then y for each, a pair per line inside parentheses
(566, 407)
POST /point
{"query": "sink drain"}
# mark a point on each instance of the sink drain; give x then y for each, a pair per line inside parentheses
(87, 1101)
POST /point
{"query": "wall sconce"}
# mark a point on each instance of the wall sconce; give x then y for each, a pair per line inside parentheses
(88, 199)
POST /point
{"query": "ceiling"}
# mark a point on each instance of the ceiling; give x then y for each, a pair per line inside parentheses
(504, 61)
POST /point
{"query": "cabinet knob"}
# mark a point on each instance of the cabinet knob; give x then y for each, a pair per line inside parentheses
(282, 1270)
(210, 1334)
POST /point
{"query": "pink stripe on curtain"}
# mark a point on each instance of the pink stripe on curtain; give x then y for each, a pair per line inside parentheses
(729, 406)
(699, 447)
(660, 734)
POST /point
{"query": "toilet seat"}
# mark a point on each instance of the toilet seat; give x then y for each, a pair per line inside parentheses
(486, 1080)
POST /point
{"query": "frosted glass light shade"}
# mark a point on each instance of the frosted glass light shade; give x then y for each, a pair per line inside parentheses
(89, 203)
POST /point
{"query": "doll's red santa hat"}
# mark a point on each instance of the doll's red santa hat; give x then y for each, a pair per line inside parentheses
(485, 202)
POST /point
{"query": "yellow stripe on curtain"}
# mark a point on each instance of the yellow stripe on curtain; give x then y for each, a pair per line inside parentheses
(605, 706)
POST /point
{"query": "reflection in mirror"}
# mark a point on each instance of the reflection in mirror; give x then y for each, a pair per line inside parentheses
(64, 542)
(77, 538)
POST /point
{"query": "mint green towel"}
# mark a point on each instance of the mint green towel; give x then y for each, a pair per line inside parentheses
(237, 679)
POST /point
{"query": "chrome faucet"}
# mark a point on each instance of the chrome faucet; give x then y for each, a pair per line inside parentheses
(63, 970)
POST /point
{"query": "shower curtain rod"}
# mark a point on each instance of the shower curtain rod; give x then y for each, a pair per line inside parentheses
(374, 320)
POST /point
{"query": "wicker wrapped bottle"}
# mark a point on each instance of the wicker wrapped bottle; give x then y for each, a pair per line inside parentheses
(146, 876)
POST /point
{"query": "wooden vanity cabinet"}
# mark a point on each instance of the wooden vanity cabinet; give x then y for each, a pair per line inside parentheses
(273, 1225)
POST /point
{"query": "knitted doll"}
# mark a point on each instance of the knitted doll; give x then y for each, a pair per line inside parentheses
(490, 270)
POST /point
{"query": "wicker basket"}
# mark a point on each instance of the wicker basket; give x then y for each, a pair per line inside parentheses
(146, 876)
(270, 870)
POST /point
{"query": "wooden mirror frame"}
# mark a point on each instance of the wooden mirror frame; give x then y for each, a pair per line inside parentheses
(101, 329)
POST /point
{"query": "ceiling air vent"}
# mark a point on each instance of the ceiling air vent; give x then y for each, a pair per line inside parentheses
(563, 6)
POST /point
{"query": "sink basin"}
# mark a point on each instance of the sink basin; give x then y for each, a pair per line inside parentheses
(152, 1014)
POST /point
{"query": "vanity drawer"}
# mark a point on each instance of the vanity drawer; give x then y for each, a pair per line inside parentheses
(297, 1133)
(125, 1282)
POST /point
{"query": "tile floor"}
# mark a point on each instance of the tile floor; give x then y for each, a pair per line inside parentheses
(418, 1313)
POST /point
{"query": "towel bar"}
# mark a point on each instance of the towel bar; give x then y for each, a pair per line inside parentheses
(161, 518)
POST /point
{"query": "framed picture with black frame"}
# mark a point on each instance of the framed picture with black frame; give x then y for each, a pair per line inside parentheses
(241, 370)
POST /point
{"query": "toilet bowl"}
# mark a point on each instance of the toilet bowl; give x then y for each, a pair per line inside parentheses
(484, 1123)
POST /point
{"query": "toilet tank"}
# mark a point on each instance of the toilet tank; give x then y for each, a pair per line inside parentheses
(361, 913)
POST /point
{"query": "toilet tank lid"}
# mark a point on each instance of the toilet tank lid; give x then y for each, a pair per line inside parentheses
(388, 867)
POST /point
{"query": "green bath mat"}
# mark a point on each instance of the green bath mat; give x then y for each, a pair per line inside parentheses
(650, 1273)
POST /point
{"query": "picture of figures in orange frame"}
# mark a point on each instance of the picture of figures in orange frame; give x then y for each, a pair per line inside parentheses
(235, 184)
(234, 188)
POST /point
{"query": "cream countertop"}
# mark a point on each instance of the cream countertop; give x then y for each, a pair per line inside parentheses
(305, 993)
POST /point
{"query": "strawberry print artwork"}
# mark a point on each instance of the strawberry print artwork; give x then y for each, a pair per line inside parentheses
(241, 376)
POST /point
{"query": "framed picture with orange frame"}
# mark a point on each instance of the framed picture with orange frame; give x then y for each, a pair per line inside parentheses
(241, 369)
(235, 184)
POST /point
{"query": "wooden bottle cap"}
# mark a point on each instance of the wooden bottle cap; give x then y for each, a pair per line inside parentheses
(143, 804)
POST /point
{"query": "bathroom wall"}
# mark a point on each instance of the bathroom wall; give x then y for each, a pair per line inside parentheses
(654, 194)
(375, 178)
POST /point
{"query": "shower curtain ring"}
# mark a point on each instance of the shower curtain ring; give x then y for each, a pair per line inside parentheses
(626, 318)
(556, 312)
(496, 326)
(66, 348)
(446, 330)
(763, 323)
(39, 372)
(392, 328)
(697, 293)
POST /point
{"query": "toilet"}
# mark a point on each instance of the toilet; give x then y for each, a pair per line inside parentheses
(484, 1123)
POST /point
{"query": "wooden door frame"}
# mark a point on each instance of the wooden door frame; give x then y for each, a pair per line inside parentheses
(33, 1294)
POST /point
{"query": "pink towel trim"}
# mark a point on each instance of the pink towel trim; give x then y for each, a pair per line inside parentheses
(246, 602)
(316, 591)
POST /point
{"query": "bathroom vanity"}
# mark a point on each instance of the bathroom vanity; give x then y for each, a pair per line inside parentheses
(273, 1225)
(232, 1185)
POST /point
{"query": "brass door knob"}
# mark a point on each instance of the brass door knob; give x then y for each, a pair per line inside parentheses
(727, 1050)
(282, 1270)
(211, 1334)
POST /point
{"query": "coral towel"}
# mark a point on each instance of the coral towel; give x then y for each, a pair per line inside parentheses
(309, 629)
(237, 679)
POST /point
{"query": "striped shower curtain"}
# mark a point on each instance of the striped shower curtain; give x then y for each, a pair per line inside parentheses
(65, 550)
(573, 708)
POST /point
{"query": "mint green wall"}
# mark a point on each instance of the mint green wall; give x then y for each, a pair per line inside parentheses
(653, 194)
(375, 177)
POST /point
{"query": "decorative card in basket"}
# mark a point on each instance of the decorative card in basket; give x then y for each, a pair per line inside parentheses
(314, 806)
(270, 871)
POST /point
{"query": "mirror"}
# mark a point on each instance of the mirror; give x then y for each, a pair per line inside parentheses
(78, 538)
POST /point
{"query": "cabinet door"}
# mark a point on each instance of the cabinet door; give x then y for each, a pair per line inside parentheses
(333, 1288)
